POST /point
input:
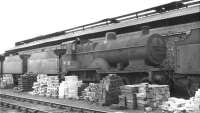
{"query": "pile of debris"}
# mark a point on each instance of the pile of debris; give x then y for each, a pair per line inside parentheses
(40, 87)
(91, 93)
(179, 105)
(6, 81)
(46, 86)
(143, 95)
(52, 86)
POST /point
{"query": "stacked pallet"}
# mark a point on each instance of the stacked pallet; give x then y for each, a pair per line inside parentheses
(143, 95)
(25, 82)
(109, 89)
(6, 81)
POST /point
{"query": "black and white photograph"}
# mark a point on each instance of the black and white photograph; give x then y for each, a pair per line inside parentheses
(99, 56)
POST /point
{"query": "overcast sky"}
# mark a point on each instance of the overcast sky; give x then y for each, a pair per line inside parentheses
(24, 19)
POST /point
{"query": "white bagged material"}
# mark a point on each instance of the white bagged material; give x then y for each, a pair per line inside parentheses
(72, 89)
(69, 87)
(179, 105)
(61, 90)
(46, 86)
(40, 87)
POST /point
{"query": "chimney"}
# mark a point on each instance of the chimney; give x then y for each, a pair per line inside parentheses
(145, 30)
(110, 36)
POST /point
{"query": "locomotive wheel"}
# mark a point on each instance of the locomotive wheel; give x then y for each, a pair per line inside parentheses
(192, 87)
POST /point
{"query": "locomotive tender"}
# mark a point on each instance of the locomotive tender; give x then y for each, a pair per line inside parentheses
(158, 45)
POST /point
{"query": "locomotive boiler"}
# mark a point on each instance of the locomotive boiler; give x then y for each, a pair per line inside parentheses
(120, 53)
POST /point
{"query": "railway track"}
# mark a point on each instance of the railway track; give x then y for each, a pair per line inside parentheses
(36, 106)
(26, 103)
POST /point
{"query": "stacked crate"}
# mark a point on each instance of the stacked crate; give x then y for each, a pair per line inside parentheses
(25, 82)
(128, 96)
(157, 94)
(109, 89)
(143, 95)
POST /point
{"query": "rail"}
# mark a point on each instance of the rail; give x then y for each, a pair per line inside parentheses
(41, 106)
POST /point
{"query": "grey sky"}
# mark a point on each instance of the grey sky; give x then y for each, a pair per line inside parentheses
(24, 19)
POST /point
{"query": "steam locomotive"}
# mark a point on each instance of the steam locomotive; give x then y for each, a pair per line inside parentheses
(157, 45)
